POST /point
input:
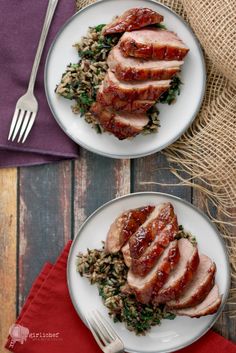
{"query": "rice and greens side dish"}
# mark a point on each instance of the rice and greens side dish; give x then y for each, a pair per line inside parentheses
(80, 81)
(109, 273)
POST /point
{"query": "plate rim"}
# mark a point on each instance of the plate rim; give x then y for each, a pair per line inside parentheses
(155, 193)
(164, 145)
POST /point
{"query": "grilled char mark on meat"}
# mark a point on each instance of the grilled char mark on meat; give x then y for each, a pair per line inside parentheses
(157, 221)
(153, 43)
(182, 274)
(132, 19)
(208, 306)
(135, 69)
(111, 100)
(143, 287)
(122, 125)
(199, 287)
(145, 262)
(130, 91)
(124, 226)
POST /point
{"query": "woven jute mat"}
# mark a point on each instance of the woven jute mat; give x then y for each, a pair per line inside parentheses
(207, 151)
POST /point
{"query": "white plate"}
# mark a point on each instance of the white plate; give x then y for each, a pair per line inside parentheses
(174, 119)
(171, 335)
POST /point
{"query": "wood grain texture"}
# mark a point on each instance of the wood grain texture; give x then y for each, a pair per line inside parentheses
(97, 180)
(149, 172)
(8, 251)
(44, 219)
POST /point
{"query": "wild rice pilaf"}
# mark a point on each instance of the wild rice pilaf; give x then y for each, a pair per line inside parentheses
(109, 272)
(80, 82)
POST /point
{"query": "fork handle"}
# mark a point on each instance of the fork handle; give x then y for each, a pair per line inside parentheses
(52, 4)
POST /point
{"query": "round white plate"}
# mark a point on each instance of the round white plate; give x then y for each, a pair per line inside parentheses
(174, 119)
(171, 335)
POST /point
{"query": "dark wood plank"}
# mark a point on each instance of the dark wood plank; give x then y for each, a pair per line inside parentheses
(44, 219)
(8, 250)
(147, 172)
(97, 180)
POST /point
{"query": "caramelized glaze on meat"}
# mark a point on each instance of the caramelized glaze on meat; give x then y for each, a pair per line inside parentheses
(153, 43)
(112, 100)
(124, 226)
(137, 69)
(145, 235)
(133, 19)
(147, 260)
(122, 125)
(130, 91)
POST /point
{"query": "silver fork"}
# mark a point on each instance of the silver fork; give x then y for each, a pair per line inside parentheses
(27, 105)
(105, 336)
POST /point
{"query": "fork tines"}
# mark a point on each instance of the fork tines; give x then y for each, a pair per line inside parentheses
(105, 336)
(22, 122)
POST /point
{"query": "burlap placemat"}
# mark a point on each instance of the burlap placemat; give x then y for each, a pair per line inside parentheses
(207, 150)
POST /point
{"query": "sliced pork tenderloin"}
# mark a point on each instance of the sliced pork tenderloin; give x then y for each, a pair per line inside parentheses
(122, 125)
(208, 306)
(130, 91)
(155, 223)
(113, 101)
(199, 287)
(147, 260)
(132, 19)
(153, 43)
(124, 226)
(182, 275)
(134, 69)
(143, 287)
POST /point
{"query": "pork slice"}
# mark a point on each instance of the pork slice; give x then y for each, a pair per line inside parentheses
(153, 43)
(199, 287)
(126, 254)
(182, 274)
(208, 306)
(113, 101)
(124, 226)
(135, 69)
(143, 287)
(144, 236)
(145, 262)
(132, 19)
(122, 125)
(130, 91)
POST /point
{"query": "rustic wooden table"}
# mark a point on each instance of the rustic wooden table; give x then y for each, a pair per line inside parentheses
(42, 208)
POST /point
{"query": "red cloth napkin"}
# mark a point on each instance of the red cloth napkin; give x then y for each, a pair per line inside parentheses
(49, 311)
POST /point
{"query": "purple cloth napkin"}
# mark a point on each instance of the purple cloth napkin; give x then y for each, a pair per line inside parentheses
(21, 25)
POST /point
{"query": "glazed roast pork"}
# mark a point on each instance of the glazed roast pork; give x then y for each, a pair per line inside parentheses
(112, 100)
(183, 273)
(208, 306)
(122, 125)
(148, 243)
(144, 286)
(135, 90)
(163, 269)
(140, 69)
(146, 261)
(135, 69)
(132, 19)
(124, 226)
(153, 43)
(199, 287)
(160, 217)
